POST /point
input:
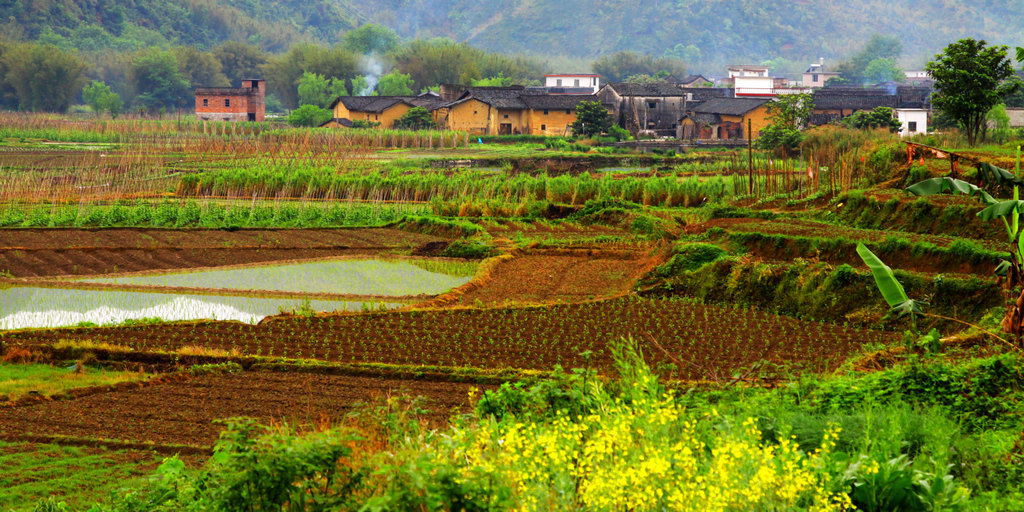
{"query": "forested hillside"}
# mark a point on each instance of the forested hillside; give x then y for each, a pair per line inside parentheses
(705, 34)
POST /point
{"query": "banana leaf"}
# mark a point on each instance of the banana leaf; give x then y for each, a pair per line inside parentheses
(1001, 209)
(892, 290)
(993, 175)
(935, 186)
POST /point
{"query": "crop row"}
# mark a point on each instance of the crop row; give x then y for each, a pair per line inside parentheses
(701, 341)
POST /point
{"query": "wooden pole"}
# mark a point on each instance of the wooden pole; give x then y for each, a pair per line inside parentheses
(750, 154)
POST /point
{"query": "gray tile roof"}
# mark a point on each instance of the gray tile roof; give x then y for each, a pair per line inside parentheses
(662, 89)
(729, 106)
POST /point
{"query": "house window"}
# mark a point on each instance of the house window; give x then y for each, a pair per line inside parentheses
(652, 104)
(206, 102)
(506, 116)
(474, 112)
(227, 102)
(543, 127)
(814, 79)
(567, 111)
(545, 111)
(576, 82)
(558, 82)
(912, 126)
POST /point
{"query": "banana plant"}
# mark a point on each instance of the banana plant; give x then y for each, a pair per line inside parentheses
(892, 290)
(1008, 211)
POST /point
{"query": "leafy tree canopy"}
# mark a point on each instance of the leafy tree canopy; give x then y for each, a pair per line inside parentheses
(157, 81)
(44, 78)
(309, 115)
(970, 80)
(417, 118)
(395, 83)
(101, 99)
(240, 60)
(788, 113)
(591, 119)
(880, 117)
(315, 89)
(370, 38)
(619, 66)
(883, 69)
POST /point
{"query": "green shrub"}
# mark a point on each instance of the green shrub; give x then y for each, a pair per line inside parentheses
(470, 249)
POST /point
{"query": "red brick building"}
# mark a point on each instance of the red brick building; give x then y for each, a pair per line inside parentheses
(245, 103)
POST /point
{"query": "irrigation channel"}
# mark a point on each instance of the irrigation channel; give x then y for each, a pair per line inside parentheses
(242, 293)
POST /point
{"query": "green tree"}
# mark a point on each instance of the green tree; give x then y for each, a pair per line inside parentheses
(317, 90)
(370, 38)
(495, 81)
(395, 83)
(417, 118)
(201, 69)
(157, 82)
(788, 113)
(883, 69)
(309, 115)
(619, 66)
(643, 79)
(239, 60)
(44, 78)
(969, 81)
(878, 47)
(879, 117)
(284, 71)
(591, 119)
(438, 61)
(101, 99)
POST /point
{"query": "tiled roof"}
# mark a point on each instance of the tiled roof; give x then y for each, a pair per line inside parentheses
(555, 101)
(729, 106)
(647, 90)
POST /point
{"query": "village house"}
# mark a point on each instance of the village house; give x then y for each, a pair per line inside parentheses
(724, 119)
(245, 103)
(694, 81)
(816, 76)
(649, 107)
(579, 83)
(834, 103)
(510, 110)
(379, 109)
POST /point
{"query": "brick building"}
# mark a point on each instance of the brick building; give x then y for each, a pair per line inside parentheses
(245, 103)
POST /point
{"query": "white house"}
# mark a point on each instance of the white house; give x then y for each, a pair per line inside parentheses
(919, 74)
(574, 83)
(748, 70)
(912, 121)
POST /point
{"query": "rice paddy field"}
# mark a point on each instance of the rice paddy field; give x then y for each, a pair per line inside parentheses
(415, 314)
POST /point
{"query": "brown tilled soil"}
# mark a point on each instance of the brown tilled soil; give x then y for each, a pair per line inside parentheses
(183, 412)
(62, 252)
(554, 277)
(702, 341)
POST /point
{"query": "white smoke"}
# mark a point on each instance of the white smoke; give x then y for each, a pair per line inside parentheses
(372, 68)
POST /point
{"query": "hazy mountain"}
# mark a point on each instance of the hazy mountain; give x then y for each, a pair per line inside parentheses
(707, 33)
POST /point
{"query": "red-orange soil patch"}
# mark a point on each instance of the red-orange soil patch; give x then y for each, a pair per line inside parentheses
(183, 412)
(62, 252)
(559, 277)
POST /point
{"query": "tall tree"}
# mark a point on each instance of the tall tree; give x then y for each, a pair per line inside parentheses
(617, 67)
(395, 83)
(591, 119)
(317, 90)
(44, 78)
(201, 69)
(101, 99)
(239, 60)
(157, 82)
(788, 113)
(438, 61)
(370, 38)
(969, 81)
(283, 72)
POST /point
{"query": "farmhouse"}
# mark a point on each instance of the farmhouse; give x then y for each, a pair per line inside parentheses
(834, 103)
(245, 103)
(379, 109)
(654, 107)
(724, 119)
(510, 110)
(816, 76)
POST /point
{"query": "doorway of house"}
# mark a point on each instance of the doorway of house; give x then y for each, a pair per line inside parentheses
(252, 116)
(505, 129)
